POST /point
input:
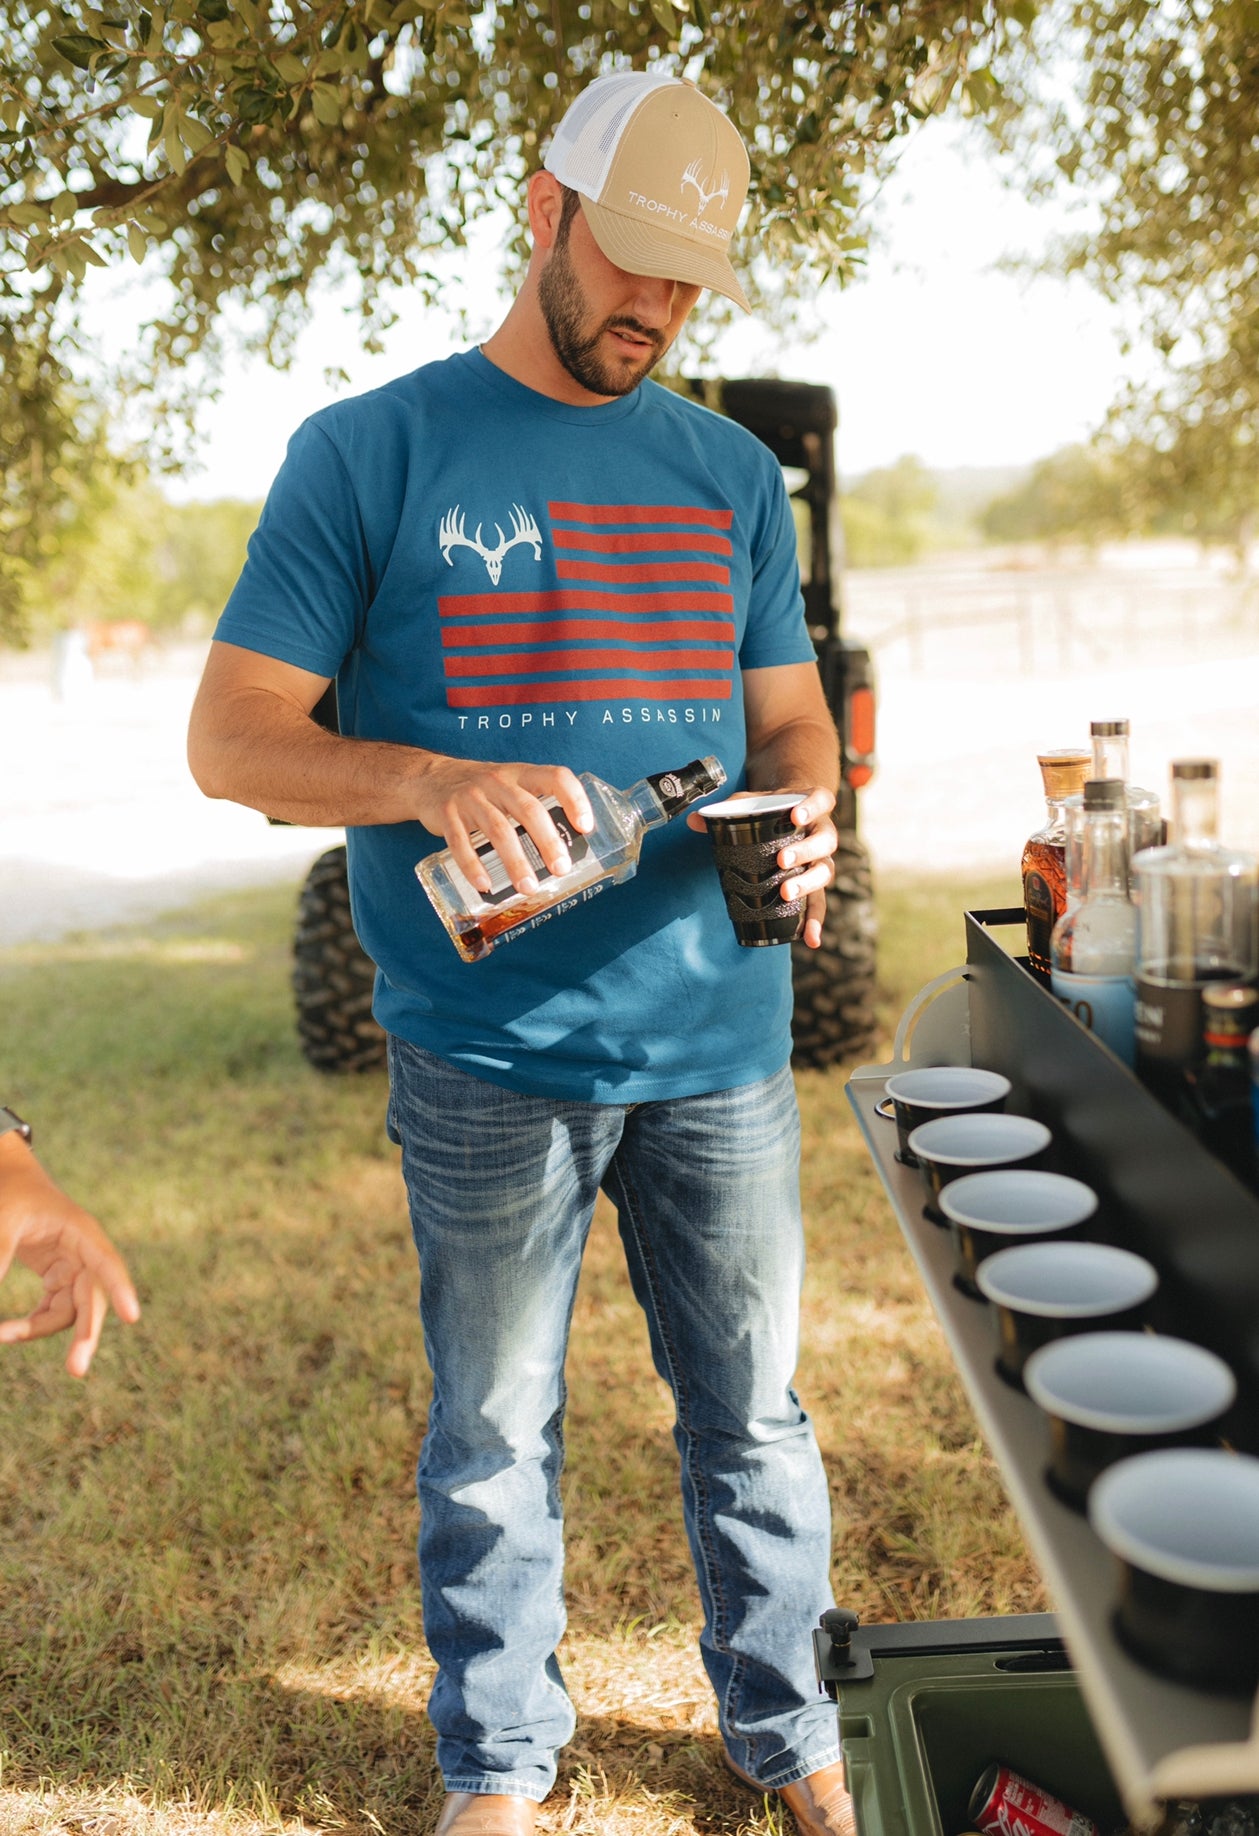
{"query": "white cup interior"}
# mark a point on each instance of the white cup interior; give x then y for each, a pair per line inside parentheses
(775, 803)
(1066, 1281)
(1129, 1382)
(1018, 1199)
(978, 1140)
(1187, 1514)
(948, 1086)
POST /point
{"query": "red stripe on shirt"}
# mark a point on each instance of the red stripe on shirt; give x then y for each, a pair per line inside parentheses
(547, 662)
(573, 599)
(560, 630)
(641, 513)
(617, 571)
(514, 693)
(629, 542)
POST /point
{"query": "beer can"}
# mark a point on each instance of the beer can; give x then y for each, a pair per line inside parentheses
(1004, 1804)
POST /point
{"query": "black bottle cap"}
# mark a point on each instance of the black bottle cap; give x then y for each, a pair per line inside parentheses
(677, 790)
(1105, 794)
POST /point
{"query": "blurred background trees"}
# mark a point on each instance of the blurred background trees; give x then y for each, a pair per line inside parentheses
(1147, 112)
(251, 150)
(247, 153)
(130, 553)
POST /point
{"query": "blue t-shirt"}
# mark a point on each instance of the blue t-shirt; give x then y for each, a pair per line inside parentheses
(496, 575)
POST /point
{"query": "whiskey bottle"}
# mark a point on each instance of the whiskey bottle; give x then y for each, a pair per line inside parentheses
(1197, 922)
(606, 854)
(1093, 946)
(1044, 853)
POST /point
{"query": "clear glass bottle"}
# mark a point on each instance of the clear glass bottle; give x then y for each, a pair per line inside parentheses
(1093, 947)
(1110, 743)
(1044, 854)
(608, 853)
(1197, 922)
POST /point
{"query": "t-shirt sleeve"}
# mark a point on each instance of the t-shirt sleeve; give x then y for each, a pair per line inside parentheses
(304, 590)
(776, 632)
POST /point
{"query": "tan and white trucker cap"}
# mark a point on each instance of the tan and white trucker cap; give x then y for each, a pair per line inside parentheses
(662, 176)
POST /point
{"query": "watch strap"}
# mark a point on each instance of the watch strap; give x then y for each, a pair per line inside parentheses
(10, 1120)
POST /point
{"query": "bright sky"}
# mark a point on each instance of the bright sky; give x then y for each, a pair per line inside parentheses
(935, 352)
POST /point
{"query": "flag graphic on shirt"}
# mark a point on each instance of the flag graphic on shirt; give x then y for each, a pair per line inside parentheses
(643, 608)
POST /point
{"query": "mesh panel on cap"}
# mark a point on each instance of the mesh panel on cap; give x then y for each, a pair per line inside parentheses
(587, 138)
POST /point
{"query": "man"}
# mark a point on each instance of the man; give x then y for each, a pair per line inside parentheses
(64, 1245)
(640, 605)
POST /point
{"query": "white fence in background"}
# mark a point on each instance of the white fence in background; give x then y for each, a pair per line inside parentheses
(947, 620)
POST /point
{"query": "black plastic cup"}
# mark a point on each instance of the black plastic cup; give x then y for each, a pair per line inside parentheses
(954, 1147)
(1110, 1394)
(929, 1091)
(1184, 1528)
(747, 835)
(1045, 1291)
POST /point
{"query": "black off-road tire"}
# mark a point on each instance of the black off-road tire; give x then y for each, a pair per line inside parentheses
(834, 1016)
(333, 976)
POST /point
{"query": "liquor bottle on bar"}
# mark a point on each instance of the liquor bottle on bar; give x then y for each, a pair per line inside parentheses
(608, 853)
(1230, 1013)
(1197, 922)
(1044, 854)
(1093, 947)
(1110, 740)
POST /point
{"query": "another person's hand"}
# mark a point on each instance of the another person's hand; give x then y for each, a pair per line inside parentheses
(82, 1272)
(462, 795)
(813, 851)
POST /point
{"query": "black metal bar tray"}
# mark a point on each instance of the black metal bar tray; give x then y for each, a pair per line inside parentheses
(1160, 1192)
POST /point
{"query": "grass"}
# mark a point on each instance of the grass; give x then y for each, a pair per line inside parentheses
(209, 1613)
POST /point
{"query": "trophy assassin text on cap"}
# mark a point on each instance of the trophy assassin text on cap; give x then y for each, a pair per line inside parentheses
(662, 175)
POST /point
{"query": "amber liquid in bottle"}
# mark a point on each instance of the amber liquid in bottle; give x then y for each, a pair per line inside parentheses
(475, 939)
(1044, 865)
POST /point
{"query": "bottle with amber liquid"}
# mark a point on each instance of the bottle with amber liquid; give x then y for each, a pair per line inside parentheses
(606, 854)
(1044, 854)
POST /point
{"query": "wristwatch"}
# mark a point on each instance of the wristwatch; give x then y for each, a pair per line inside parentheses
(9, 1121)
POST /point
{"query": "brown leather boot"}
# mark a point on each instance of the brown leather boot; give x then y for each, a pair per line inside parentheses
(474, 1813)
(821, 1803)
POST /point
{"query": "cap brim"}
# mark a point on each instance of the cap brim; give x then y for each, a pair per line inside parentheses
(642, 249)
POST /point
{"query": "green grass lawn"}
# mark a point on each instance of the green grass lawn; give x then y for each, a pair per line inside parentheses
(210, 1614)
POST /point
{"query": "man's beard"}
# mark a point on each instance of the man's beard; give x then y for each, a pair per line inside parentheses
(566, 313)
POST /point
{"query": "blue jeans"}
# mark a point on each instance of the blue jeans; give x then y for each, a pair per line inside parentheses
(502, 1187)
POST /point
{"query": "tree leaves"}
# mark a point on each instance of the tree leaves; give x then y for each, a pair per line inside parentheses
(79, 48)
(247, 150)
(1161, 140)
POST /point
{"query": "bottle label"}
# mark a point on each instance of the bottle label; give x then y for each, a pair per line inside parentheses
(529, 922)
(1105, 1004)
(1168, 1023)
(677, 790)
(500, 885)
(1038, 898)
